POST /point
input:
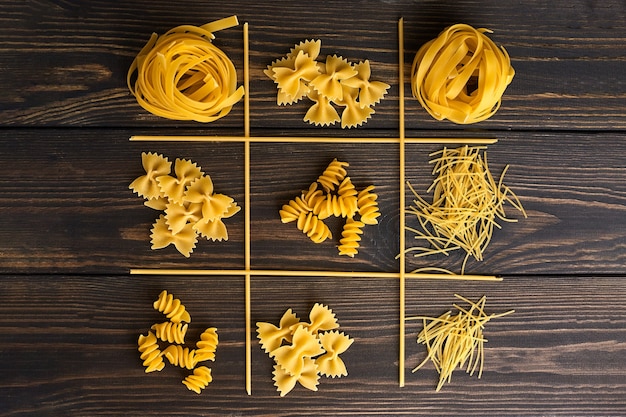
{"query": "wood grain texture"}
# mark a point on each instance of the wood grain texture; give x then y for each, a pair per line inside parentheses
(70, 229)
(66, 62)
(67, 207)
(74, 352)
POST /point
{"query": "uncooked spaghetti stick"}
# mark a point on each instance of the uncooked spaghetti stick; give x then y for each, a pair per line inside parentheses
(291, 139)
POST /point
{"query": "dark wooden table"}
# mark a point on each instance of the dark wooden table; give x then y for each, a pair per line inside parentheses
(70, 229)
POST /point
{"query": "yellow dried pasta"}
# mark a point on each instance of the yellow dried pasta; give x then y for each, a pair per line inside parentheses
(190, 205)
(466, 206)
(150, 354)
(461, 75)
(172, 334)
(303, 351)
(335, 82)
(169, 331)
(199, 380)
(172, 308)
(333, 195)
(182, 75)
(454, 340)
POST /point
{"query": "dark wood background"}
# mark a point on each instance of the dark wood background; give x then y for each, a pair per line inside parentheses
(70, 229)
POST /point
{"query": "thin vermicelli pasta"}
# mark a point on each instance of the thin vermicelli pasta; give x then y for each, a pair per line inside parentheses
(461, 75)
(182, 75)
(455, 340)
(466, 206)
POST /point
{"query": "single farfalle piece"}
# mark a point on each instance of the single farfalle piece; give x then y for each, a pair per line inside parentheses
(172, 308)
(214, 205)
(155, 166)
(322, 113)
(334, 343)
(308, 378)
(171, 332)
(353, 114)
(214, 230)
(181, 356)
(368, 205)
(207, 345)
(177, 216)
(174, 188)
(150, 354)
(184, 241)
(351, 236)
(303, 345)
(370, 92)
(321, 318)
(282, 97)
(289, 79)
(199, 380)
(271, 337)
(310, 47)
(328, 83)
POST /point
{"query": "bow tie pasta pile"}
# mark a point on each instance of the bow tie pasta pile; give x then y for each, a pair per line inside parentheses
(303, 351)
(335, 81)
(173, 332)
(188, 199)
(333, 194)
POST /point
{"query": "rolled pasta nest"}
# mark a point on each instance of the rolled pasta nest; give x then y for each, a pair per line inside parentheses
(182, 75)
(461, 75)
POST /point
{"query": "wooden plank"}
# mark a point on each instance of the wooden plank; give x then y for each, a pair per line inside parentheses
(69, 347)
(66, 63)
(66, 206)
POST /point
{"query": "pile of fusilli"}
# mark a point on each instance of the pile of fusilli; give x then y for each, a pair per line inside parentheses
(173, 332)
(333, 194)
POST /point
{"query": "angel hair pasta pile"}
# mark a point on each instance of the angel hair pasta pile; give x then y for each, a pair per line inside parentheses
(455, 340)
(302, 351)
(333, 194)
(461, 75)
(466, 205)
(334, 81)
(182, 75)
(188, 199)
(167, 340)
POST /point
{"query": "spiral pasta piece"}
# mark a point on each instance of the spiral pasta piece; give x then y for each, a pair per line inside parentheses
(199, 380)
(182, 75)
(351, 236)
(172, 308)
(170, 332)
(181, 356)
(461, 75)
(334, 173)
(291, 211)
(368, 206)
(313, 227)
(207, 345)
(150, 353)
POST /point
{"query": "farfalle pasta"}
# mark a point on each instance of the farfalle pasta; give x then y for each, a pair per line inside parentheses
(333, 195)
(182, 75)
(329, 83)
(167, 340)
(190, 204)
(302, 351)
(461, 75)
